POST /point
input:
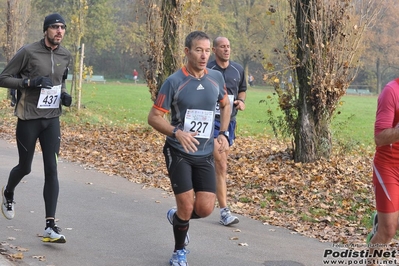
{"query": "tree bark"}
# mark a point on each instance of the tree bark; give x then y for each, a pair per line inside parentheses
(379, 76)
(170, 12)
(305, 146)
(18, 13)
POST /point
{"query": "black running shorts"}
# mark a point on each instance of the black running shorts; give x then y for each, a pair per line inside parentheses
(188, 172)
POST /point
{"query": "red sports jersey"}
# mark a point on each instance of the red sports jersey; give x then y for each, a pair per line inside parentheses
(387, 117)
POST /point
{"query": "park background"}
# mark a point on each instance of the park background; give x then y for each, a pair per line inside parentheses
(113, 32)
(330, 199)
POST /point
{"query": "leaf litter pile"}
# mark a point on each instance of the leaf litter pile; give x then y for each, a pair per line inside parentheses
(330, 200)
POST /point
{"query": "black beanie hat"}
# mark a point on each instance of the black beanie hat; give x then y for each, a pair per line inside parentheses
(51, 19)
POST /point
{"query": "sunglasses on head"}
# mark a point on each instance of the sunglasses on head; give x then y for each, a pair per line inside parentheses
(55, 26)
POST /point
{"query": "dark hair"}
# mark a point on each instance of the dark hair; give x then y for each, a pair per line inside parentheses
(193, 36)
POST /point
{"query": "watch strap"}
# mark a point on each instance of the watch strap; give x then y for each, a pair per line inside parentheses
(224, 134)
(174, 132)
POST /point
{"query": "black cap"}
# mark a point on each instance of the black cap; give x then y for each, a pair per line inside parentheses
(52, 19)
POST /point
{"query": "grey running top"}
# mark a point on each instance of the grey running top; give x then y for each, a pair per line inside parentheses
(192, 103)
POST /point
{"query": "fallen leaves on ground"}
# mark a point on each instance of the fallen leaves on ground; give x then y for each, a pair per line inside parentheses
(12, 256)
(330, 200)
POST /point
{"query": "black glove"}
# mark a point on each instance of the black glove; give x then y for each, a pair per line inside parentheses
(41, 82)
(66, 99)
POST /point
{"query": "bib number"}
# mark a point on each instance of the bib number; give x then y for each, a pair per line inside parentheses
(200, 121)
(49, 98)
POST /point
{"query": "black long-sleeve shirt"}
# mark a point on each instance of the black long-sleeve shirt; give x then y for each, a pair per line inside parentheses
(235, 80)
(31, 61)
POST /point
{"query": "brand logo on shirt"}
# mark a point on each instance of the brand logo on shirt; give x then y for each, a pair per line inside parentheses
(200, 87)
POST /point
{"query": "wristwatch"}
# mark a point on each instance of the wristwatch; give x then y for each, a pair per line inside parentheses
(174, 132)
(226, 134)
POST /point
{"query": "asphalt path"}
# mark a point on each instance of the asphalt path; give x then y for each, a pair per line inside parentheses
(108, 220)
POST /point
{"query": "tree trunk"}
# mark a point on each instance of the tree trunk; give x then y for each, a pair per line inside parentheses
(79, 86)
(18, 13)
(323, 140)
(164, 41)
(379, 76)
(312, 134)
(170, 13)
(305, 146)
(75, 70)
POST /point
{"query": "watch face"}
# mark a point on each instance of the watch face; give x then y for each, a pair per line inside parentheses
(226, 133)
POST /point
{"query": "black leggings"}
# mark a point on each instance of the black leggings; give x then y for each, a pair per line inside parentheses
(49, 135)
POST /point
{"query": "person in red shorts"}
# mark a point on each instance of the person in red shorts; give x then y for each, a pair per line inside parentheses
(386, 167)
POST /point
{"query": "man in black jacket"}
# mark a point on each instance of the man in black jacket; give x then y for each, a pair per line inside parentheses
(37, 72)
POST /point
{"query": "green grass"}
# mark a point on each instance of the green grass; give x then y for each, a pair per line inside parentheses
(354, 120)
(119, 104)
(353, 123)
(124, 104)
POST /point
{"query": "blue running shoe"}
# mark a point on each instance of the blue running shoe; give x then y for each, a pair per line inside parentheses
(170, 215)
(374, 219)
(179, 258)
